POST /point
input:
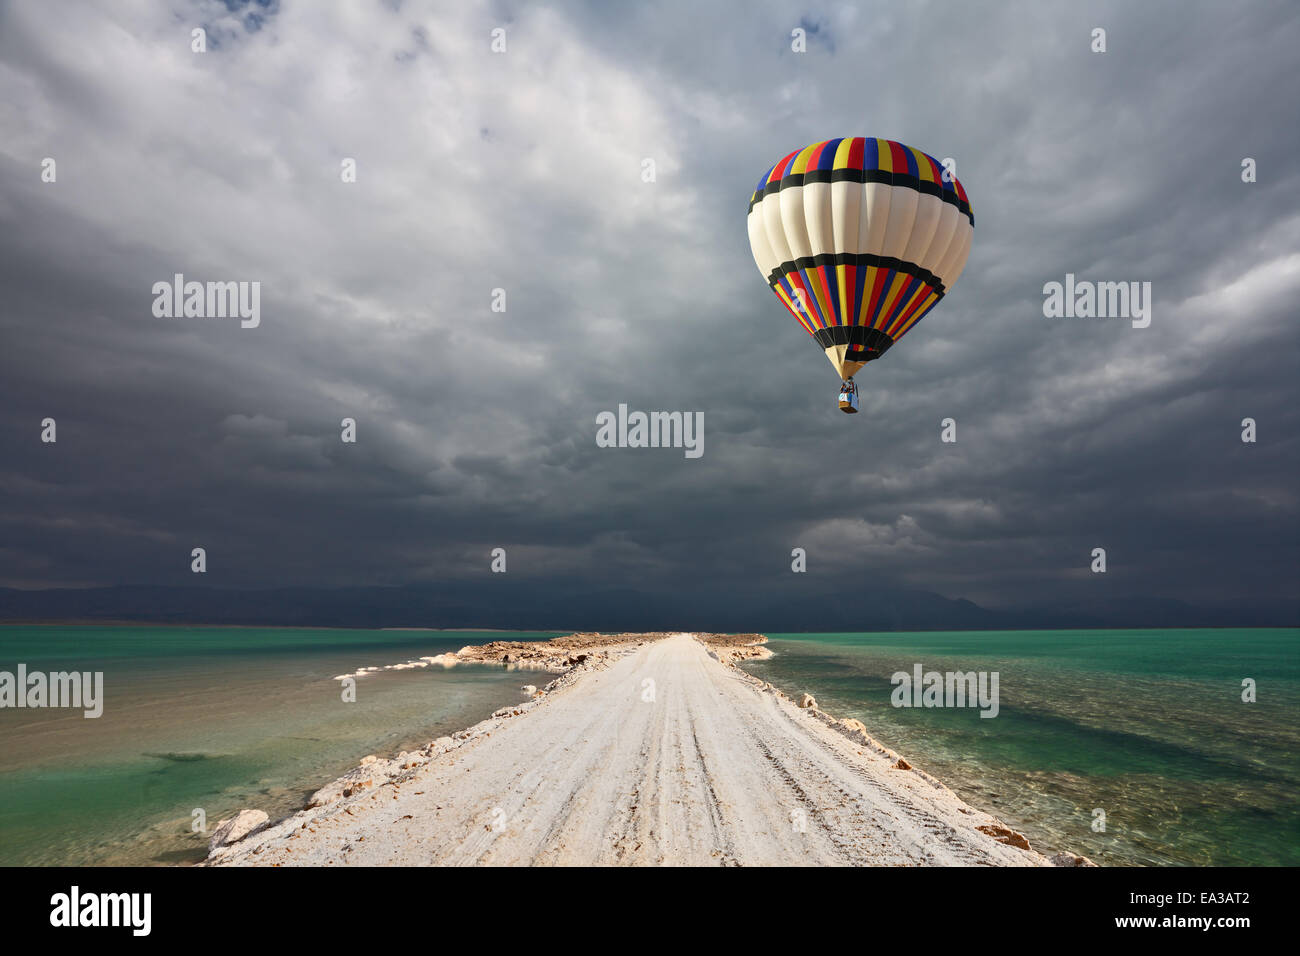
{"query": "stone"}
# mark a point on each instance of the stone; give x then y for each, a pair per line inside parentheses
(242, 824)
(1004, 835)
(356, 786)
(808, 701)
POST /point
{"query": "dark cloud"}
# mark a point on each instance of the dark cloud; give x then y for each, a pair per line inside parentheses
(522, 171)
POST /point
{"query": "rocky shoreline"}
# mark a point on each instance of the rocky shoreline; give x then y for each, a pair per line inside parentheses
(561, 653)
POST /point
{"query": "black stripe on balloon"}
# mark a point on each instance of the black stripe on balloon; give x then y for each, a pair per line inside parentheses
(865, 176)
(859, 259)
(864, 344)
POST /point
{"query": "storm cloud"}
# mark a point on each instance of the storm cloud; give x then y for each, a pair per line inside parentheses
(523, 171)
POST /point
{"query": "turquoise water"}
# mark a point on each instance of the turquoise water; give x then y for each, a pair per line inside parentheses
(1146, 725)
(214, 719)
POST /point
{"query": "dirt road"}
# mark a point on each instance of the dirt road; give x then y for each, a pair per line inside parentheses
(666, 756)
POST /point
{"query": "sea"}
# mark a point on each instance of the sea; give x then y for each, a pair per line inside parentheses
(1129, 747)
(1138, 747)
(200, 722)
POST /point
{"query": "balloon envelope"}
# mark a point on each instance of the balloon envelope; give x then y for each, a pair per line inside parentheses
(859, 238)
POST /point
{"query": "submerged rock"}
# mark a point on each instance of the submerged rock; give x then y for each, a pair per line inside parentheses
(1066, 858)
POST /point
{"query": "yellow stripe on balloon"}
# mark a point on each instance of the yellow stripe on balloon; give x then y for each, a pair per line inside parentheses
(884, 156)
(905, 312)
(895, 288)
(794, 309)
(842, 153)
(842, 280)
(823, 296)
(916, 316)
(924, 171)
(867, 285)
(800, 164)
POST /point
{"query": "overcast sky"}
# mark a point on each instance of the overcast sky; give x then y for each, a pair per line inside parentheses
(522, 171)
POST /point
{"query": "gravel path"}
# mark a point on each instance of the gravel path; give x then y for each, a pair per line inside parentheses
(665, 756)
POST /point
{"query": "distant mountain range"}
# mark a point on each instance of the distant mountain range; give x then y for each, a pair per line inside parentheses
(530, 606)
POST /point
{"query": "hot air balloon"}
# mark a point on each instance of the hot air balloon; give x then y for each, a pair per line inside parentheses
(859, 238)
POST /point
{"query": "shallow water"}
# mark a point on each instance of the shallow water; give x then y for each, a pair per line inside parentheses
(213, 719)
(1146, 725)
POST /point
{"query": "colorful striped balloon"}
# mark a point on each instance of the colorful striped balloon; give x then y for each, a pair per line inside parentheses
(859, 238)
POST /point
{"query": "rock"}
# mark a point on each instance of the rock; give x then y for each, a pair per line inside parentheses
(1069, 859)
(529, 689)
(356, 786)
(368, 760)
(1003, 835)
(849, 723)
(902, 765)
(408, 761)
(808, 701)
(241, 825)
(326, 794)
